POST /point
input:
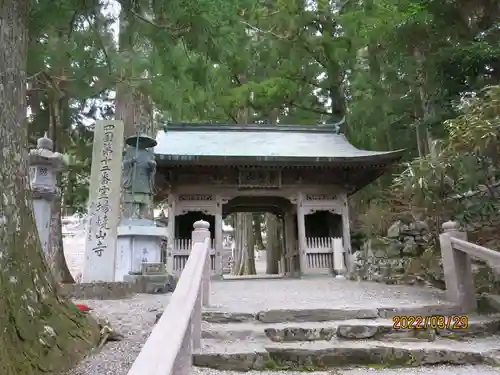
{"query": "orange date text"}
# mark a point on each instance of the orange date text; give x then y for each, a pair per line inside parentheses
(430, 321)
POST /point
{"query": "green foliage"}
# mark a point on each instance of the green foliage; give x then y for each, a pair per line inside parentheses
(462, 175)
(395, 69)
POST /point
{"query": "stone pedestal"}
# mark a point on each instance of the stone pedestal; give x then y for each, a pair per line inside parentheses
(152, 279)
(139, 242)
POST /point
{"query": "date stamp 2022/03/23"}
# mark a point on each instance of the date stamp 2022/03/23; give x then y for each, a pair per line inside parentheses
(430, 321)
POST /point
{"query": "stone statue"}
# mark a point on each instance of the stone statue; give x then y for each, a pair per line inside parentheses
(139, 168)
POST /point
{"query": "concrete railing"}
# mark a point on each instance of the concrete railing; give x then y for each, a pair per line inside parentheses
(168, 350)
(456, 253)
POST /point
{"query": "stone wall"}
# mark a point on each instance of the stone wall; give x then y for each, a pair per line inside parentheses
(409, 254)
(100, 290)
(404, 256)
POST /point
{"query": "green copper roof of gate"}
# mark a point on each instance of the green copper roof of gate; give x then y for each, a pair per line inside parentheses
(185, 142)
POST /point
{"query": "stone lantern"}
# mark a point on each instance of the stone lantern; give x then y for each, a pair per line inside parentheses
(43, 166)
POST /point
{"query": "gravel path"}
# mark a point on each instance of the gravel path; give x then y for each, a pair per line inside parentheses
(316, 292)
(134, 318)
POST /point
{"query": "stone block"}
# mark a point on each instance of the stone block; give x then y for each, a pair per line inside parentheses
(152, 284)
(314, 315)
(227, 317)
(98, 290)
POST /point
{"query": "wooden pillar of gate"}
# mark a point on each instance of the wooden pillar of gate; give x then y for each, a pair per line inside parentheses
(290, 243)
(218, 243)
(346, 235)
(172, 198)
(301, 232)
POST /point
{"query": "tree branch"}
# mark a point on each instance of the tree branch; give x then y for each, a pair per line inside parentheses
(101, 43)
(318, 111)
(153, 23)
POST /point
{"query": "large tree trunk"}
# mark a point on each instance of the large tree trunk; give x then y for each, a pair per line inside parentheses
(244, 263)
(257, 229)
(40, 331)
(424, 136)
(132, 105)
(56, 259)
(273, 244)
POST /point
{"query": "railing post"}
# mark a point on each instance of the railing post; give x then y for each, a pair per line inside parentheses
(457, 269)
(338, 258)
(201, 233)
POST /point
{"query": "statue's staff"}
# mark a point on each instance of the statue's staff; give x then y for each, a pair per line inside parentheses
(134, 168)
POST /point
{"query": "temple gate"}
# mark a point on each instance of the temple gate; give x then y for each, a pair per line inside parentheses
(303, 174)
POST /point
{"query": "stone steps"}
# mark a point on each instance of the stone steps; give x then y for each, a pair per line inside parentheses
(312, 339)
(321, 315)
(352, 329)
(245, 355)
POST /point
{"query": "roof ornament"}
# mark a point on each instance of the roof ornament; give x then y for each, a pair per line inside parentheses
(337, 125)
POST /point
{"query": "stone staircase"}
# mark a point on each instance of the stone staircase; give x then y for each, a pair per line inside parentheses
(315, 339)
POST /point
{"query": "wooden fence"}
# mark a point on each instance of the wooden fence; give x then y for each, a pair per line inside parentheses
(320, 255)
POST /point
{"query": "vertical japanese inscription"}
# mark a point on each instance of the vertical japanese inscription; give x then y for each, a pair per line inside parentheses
(104, 202)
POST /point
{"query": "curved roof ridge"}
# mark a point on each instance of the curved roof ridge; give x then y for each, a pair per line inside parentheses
(225, 127)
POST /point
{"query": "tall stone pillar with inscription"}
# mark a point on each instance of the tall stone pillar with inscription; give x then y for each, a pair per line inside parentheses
(43, 166)
(140, 240)
(104, 202)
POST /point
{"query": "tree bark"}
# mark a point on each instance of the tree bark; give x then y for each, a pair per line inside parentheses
(41, 332)
(57, 259)
(273, 244)
(257, 229)
(244, 242)
(424, 140)
(132, 105)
